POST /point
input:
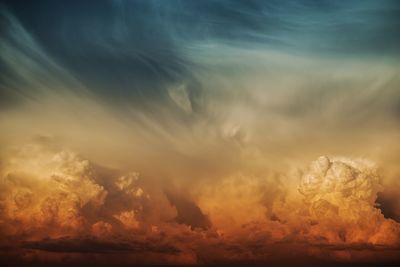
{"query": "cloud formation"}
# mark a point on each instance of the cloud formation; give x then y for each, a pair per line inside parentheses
(55, 201)
(181, 132)
(341, 196)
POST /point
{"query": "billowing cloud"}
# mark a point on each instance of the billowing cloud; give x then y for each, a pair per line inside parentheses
(341, 195)
(55, 201)
(50, 193)
(181, 132)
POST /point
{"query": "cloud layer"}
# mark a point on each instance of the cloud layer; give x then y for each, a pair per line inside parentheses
(54, 201)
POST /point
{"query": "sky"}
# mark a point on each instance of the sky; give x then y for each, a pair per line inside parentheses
(199, 132)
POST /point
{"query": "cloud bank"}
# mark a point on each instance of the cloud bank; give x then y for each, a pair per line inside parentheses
(54, 201)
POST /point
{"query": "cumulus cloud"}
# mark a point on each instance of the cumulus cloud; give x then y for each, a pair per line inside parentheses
(43, 190)
(55, 201)
(49, 192)
(340, 194)
(210, 167)
(334, 207)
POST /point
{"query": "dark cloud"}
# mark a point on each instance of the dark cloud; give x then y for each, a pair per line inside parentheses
(188, 212)
(389, 203)
(91, 245)
(360, 246)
